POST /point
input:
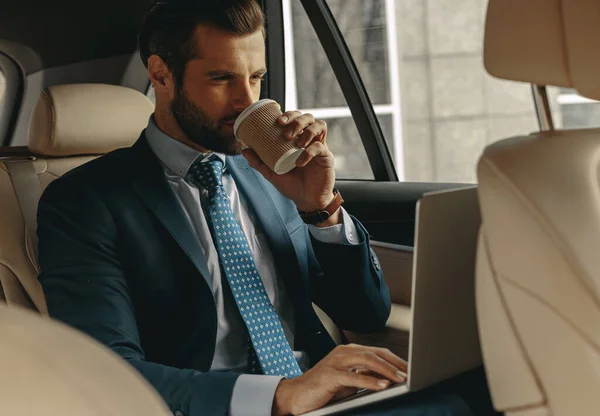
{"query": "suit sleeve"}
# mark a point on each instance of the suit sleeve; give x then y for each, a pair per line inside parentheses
(348, 283)
(85, 286)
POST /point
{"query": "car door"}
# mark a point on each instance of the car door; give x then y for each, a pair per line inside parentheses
(409, 108)
(317, 73)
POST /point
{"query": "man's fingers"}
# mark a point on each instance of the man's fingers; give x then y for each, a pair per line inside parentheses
(315, 149)
(384, 353)
(255, 162)
(392, 358)
(361, 381)
(370, 361)
(315, 131)
(297, 123)
(288, 117)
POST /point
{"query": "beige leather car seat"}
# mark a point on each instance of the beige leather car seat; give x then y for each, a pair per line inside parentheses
(538, 266)
(50, 369)
(71, 125)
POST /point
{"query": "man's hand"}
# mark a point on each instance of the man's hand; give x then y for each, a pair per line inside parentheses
(341, 373)
(310, 185)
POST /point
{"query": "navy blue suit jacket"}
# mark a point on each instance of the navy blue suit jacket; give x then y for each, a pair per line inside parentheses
(120, 262)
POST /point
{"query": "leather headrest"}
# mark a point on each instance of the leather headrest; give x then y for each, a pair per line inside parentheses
(583, 37)
(87, 119)
(545, 42)
(525, 41)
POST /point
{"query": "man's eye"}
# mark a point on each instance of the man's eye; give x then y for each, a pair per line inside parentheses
(259, 77)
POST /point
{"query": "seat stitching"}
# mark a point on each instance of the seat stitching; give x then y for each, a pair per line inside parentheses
(589, 341)
(511, 319)
(52, 117)
(52, 174)
(551, 232)
(32, 261)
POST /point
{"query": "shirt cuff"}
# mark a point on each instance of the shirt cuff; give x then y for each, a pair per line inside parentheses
(253, 394)
(344, 233)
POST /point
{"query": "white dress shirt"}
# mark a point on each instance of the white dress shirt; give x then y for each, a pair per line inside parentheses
(252, 394)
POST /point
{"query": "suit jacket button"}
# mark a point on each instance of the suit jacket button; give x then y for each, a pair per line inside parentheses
(178, 413)
(377, 265)
(375, 259)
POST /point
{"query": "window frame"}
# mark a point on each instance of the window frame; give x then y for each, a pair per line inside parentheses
(545, 112)
(353, 88)
(274, 84)
(10, 102)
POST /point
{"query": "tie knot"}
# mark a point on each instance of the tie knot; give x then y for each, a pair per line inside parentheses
(209, 174)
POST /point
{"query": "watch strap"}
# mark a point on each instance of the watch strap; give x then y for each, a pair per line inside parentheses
(322, 215)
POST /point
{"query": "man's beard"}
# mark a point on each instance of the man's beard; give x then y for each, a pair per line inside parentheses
(202, 129)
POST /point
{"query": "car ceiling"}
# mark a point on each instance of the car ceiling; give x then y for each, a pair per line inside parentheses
(67, 31)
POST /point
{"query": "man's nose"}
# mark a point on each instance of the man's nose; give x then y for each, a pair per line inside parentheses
(244, 96)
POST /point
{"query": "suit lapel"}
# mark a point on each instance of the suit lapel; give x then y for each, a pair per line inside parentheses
(261, 197)
(150, 185)
(287, 242)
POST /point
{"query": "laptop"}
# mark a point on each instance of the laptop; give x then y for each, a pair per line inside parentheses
(443, 340)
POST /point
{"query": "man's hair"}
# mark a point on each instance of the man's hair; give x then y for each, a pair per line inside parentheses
(169, 25)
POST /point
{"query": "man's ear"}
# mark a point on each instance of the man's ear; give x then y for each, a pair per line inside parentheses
(160, 76)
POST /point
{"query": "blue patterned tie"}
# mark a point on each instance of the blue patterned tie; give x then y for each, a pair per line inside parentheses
(267, 339)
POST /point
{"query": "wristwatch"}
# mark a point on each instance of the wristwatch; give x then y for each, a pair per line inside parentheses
(322, 215)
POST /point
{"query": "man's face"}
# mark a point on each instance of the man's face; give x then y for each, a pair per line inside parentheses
(218, 86)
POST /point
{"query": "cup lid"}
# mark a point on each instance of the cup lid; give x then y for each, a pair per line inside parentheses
(248, 110)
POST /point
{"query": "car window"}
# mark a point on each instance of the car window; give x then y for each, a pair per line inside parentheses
(311, 86)
(421, 63)
(572, 111)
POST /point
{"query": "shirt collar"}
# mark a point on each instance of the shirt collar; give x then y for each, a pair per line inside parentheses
(175, 155)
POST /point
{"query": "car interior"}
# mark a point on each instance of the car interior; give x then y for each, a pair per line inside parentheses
(73, 88)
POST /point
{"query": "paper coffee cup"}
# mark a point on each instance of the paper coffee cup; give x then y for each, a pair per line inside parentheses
(258, 127)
